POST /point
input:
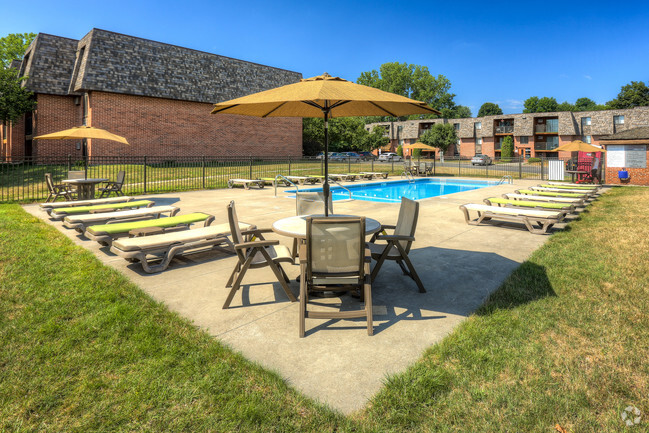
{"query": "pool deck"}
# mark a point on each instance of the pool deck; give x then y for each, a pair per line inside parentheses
(337, 363)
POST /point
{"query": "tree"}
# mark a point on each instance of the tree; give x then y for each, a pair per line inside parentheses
(632, 95)
(566, 106)
(535, 104)
(441, 136)
(457, 112)
(14, 99)
(489, 109)
(13, 47)
(345, 133)
(585, 104)
(507, 149)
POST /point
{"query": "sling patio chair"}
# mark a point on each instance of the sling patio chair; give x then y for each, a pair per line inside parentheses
(254, 254)
(530, 204)
(156, 252)
(309, 203)
(572, 201)
(49, 207)
(115, 186)
(80, 222)
(246, 183)
(106, 233)
(335, 259)
(531, 218)
(60, 213)
(57, 190)
(399, 242)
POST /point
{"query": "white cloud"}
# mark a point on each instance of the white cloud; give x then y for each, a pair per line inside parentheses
(588, 77)
(514, 104)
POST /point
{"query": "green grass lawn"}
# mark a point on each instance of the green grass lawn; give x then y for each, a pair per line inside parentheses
(565, 340)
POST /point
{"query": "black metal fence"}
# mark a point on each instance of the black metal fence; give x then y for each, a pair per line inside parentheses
(24, 181)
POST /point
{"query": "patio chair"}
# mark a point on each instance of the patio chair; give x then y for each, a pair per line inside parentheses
(544, 219)
(80, 222)
(57, 190)
(60, 213)
(115, 186)
(162, 248)
(530, 204)
(309, 203)
(246, 183)
(399, 243)
(335, 260)
(255, 254)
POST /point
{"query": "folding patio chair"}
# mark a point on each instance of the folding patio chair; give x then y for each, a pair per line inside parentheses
(57, 191)
(115, 186)
(335, 259)
(309, 203)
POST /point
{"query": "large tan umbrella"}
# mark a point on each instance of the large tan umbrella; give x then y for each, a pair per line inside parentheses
(323, 96)
(419, 145)
(82, 132)
(578, 146)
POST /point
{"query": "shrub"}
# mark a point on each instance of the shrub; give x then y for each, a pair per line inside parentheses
(400, 151)
(534, 160)
(507, 149)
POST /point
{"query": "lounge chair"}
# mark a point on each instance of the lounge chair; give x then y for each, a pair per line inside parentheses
(529, 217)
(383, 174)
(551, 193)
(57, 190)
(499, 201)
(106, 233)
(398, 243)
(115, 186)
(246, 183)
(255, 254)
(579, 188)
(590, 185)
(587, 193)
(338, 177)
(273, 181)
(302, 179)
(542, 198)
(48, 207)
(335, 258)
(80, 222)
(164, 247)
(367, 176)
(60, 213)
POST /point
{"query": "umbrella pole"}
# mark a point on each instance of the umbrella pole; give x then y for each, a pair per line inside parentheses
(325, 186)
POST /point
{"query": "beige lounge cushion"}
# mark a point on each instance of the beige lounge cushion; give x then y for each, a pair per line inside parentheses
(180, 237)
(89, 218)
(545, 198)
(513, 211)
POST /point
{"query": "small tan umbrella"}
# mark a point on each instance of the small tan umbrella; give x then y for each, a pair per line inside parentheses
(82, 132)
(419, 145)
(323, 96)
(578, 146)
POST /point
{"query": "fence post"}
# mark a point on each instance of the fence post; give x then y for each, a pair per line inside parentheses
(542, 171)
(392, 159)
(372, 160)
(434, 166)
(349, 164)
(250, 169)
(520, 167)
(69, 162)
(289, 165)
(459, 166)
(486, 166)
(203, 166)
(144, 174)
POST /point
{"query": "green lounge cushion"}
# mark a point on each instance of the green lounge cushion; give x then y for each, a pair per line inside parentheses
(88, 209)
(528, 203)
(551, 194)
(586, 188)
(158, 222)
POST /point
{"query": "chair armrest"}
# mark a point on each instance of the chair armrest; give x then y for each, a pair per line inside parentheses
(387, 226)
(255, 244)
(395, 238)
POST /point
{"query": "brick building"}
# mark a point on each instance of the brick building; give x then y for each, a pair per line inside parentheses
(534, 134)
(627, 151)
(158, 96)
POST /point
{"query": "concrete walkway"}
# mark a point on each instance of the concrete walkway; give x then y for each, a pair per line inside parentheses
(337, 363)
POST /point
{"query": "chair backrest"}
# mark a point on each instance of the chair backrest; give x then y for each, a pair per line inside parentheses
(335, 249)
(76, 174)
(48, 181)
(311, 203)
(407, 221)
(235, 231)
(121, 175)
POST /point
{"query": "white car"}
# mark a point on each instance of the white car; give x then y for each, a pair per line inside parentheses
(389, 157)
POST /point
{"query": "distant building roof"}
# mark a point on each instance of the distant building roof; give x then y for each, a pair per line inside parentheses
(112, 62)
(640, 133)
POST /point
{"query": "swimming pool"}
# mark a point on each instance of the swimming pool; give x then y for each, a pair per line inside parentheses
(392, 191)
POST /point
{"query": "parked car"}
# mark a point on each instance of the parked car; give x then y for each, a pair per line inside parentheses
(352, 156)
(367, 156)
(321, 154)
(337, 156)
(481, 160)
(389, 156)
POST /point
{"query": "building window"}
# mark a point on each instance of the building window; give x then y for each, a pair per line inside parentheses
(524, 139)
(456, 126)
(457, 147)
(585, 121)
(552, 143)
(586, 139)
(477, 125)
(478, 146)
(618, 120)
(528, 152)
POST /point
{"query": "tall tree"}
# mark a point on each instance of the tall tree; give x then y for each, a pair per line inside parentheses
(489, 109)
(457, 112)
(507, 149)
(585, 104)
(441, 136)
(14, 99)
(535, 104)
(13, 47)
(635, 94)
(565, 106)
(345, 133)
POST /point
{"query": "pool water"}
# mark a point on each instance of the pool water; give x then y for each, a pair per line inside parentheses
(392, 191)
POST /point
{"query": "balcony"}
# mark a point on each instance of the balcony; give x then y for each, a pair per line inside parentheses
(546, 129)
(545, 146)
(505, 129)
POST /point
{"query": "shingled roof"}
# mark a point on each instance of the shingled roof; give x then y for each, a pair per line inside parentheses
(640, 133)
(111, 62)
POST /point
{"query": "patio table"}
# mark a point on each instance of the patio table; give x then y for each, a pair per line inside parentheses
(85, 187)
(295, 226)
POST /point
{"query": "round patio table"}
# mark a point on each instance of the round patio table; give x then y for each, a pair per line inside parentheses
(85, 187)
(295, 226)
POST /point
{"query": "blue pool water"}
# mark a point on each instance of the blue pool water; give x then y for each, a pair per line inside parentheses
(392, 191)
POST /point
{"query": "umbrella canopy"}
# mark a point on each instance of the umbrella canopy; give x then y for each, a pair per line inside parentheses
(82, 132)
(323, 96)
(419, 145)
(578, 146)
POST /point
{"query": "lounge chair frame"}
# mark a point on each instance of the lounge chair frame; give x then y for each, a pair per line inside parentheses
(517, 215)
(49, 207)
(566, 207)
(383, 174)
(57, 190)
(246, 183)
(80, 222)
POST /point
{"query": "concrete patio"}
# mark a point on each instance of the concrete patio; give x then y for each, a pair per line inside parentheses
(337, 363)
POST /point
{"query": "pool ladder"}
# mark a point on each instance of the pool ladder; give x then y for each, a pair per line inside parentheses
(340, 185)
(508, 178)
(408, 176)
(279, 176)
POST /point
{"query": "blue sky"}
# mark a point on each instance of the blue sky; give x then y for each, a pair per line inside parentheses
(502, 52)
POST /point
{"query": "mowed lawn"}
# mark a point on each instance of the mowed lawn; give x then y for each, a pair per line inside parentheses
(562, 344)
